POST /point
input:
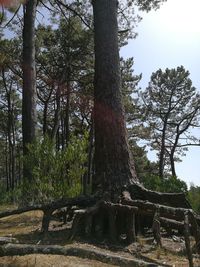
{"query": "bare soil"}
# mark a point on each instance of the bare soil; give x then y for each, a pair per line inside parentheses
(26, 229)
(49, 261)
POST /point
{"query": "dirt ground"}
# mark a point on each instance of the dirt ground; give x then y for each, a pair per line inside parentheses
(49, 261)
(26, 229)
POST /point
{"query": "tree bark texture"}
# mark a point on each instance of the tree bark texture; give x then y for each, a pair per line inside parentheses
(29, 73)
(187, 239)
(162, 150)
(179, 200)
(29, 77)
(90, 253)
(156, 228)
(11, 136)
(57, 113)
(114, 166)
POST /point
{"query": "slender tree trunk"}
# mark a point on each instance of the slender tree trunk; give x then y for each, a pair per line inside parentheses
(9, 131)
(29, 79)
(90, 153)
(7, 166)
(114, 165)
(13, 154)
(19, 166)
(67, 112)
(45, 118)
(57, 113)
(172, 152)
(162, 152)
(62, 128)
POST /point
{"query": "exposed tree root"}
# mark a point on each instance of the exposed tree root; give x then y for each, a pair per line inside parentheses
(102, 218)
(94, 254)
(81, 201)
(137, 191)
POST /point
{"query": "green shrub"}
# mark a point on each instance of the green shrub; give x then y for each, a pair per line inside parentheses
(194, 197)
(169, 184)
(55, 174)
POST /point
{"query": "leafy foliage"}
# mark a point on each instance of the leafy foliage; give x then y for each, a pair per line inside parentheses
(56, 174)
(170, 184)
(172, 108)
(194, 197)
(148, 173)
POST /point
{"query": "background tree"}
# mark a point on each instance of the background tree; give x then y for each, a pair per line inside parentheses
(29, 119)
(10, 107)
(172, 109)
(194, 197)
(68, 81)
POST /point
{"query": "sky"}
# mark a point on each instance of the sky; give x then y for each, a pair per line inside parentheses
(168, 38)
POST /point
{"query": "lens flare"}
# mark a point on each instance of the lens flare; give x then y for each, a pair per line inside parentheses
(11, 3)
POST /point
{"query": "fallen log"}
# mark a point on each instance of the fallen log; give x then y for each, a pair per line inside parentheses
(94, 254)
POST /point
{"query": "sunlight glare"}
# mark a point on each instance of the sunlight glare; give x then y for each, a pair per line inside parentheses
(181, 16)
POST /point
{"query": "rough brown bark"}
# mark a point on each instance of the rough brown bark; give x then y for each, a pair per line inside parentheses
(187, 239)
(114, 165)
(91, 253)
(29, 79)
(195, 225)
(46, 220)
(29, 73)
(130, 226)
(79, 201)
(146, 207)
(138, 192)
(57, 113)
(156, 228)
(45, 102)
(170, 224)
(162, 150)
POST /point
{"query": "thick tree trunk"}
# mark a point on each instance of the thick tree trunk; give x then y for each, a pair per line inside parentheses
(114, 166)
(29, 78)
